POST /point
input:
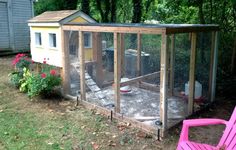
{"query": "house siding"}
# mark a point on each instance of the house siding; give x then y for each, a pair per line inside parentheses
(4, 27)
(21, 13)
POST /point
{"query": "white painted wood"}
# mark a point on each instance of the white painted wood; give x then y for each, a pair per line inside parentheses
(44, 24)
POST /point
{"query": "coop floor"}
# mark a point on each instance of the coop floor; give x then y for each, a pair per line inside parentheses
(142, 105)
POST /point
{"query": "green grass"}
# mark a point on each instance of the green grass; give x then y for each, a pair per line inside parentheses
(51, 124)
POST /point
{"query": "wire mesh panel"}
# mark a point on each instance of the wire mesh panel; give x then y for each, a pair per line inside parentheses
(178, 64)
(203, 59)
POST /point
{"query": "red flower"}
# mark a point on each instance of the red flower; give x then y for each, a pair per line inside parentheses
(43, 75)
(53, 72)
(44, 62)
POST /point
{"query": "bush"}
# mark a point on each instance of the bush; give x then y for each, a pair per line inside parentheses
(33, 84)
(15, 78)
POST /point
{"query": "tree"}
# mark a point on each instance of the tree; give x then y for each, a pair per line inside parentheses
(85, 7)
(52, 5)
(137, 11)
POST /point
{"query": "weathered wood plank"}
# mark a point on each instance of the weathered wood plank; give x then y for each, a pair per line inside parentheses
(82, 66)
(113, 29)
(140, 78)
(65, 62)
(163, 83)
(117, 71)
(139, 44)
(192, 73)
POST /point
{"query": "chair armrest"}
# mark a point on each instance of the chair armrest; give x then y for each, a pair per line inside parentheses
(195, 123)
(203, 122)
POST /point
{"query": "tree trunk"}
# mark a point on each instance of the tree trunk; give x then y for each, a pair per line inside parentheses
(85, 7)
(99, 7)
(113, 10)
(107, 10)
(200, 12)
(137, 11)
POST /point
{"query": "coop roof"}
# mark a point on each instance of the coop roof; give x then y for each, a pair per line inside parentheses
(142, 28)
(60, 17)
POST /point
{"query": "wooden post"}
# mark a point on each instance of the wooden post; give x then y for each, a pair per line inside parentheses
(82, 66)
(97, 53)
(117, 71)
(163, 83)
(172, 64)
(211, 63)
(122, 50)
(214, 70)
(139, 59)
(65, 72)
(192, 73)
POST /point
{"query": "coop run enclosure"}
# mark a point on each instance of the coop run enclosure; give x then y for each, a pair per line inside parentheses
(151, 75)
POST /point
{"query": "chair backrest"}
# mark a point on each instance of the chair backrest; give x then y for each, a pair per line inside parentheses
(228, 140)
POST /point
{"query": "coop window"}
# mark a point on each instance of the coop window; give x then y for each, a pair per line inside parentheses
(38, 39)
(52, 40)
(87, 40)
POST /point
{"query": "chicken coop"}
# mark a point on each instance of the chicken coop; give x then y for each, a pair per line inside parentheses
(151, 75)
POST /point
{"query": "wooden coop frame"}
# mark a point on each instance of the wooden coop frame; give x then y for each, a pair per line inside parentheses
(118, 31)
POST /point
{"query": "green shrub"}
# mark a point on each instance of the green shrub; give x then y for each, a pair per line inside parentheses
(15, 78)
(42, 83)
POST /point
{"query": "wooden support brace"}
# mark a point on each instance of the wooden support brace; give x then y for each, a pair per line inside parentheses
(65, 72)
(82, 66)
(117, 71)
(140, 78)
(192, 73)
(163, 83)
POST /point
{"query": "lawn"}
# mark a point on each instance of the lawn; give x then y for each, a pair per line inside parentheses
(57, 124)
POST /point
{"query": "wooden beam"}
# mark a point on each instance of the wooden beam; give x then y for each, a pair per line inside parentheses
(214, 70)
(100, 28)
(82, 66)
(211, 64)
(163, 83)
(172, 64)
(192, 73)
(172, 30)
(122, 49)
(149, 86)
(139, 59)
(139, 29)
(97, 49)
(117, 71)
(140, 78)
(65, 72)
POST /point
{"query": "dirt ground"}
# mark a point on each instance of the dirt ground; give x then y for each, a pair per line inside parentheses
(57, 107)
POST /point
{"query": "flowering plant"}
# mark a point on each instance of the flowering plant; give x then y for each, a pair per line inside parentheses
(40, 83)
(45, 82)
(21, 61)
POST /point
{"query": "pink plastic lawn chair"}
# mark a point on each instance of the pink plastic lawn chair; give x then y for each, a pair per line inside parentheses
(227, 141)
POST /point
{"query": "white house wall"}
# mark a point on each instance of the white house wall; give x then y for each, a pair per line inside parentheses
(40, 53)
